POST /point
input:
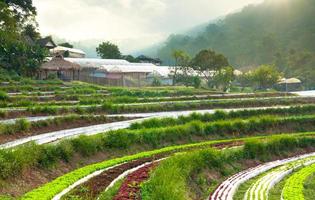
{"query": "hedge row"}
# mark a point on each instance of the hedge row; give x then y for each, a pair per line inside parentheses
(221, 115)
(218, 129)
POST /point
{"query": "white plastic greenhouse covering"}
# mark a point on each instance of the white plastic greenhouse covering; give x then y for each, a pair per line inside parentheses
(138, 67)
(96, 62)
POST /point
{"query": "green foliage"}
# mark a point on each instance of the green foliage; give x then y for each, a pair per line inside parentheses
(208, 60)
(156, 81)
(309, 187)
(3, 96)
(265, 76)
(66, 44)
(108, 50)
(21, 125)
(223, 78)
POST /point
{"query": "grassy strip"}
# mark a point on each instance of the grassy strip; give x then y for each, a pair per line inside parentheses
(221, 115)
(309, 187)
(293, 188)
(50, 189)
(172, 177)
(276, 191)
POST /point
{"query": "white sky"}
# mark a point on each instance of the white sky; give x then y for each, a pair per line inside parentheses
(133, 24)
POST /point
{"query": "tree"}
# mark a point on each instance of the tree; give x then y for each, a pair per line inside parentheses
(156, 81)
(108, 50)
(182, 60)
(16, 53)
(208, 61)
(21, 57)
(66, 44)
(223, 78)
(265, 76)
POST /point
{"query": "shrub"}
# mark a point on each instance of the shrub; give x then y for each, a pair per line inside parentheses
(22, 125)
(4, 96)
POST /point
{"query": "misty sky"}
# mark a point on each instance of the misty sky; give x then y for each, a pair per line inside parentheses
(133, 24)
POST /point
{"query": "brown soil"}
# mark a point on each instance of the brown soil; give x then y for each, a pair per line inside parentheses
(130, 188)
(57, 127)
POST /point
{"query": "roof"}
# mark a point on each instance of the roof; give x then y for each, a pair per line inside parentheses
(95, 62)
(61, 48)
(137, 67)
(127, 68)
(46, 42)
(58, 63)
(290, 81)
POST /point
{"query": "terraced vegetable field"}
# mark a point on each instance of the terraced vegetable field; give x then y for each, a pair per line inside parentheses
(82, 141)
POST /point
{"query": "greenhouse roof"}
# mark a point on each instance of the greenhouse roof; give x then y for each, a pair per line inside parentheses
(96, 62)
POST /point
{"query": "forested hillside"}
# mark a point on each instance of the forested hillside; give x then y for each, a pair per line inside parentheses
(280, 32)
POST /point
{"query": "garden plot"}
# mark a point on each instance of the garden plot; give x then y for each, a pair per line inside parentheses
(229, 187)
(259, 190)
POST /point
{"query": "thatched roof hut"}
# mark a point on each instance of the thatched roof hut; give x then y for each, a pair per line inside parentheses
(60, 68)
(59, 64)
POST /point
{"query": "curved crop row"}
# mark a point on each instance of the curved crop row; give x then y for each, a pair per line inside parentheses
(259, 190)
(293, 188)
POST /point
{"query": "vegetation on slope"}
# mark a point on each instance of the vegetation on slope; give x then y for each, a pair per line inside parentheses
(274, 32)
